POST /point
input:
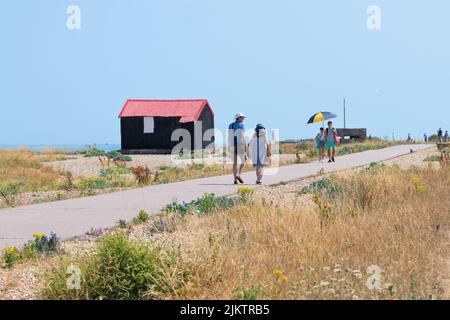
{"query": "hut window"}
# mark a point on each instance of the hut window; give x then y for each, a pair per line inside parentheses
(149, 125)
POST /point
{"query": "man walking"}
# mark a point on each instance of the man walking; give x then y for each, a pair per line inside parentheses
(330, 141)
(439, 135)
(446, 136)
(237, 143)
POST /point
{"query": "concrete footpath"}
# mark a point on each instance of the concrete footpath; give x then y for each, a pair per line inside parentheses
(73, 217)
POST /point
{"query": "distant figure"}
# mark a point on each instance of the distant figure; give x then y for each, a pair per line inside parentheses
(439, 135)
(425, 137)
(260, 151)
(409, 137)
(320, 144)
(236, 133)
(446, 136)
(330, 141)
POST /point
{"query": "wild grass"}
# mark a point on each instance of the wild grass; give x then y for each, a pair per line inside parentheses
(378, 233)
(21, 171)
(119, 269)
(380, 219)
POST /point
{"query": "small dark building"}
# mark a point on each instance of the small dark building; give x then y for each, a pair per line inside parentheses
(350, 135)
(146, 126)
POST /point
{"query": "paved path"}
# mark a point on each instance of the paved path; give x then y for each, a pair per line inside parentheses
(73, 217)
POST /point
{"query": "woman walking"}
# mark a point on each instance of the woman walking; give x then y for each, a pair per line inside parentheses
(320, 144)
(260, 151)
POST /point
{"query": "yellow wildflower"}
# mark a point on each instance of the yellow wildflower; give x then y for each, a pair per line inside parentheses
(245, 190)
(11, 250)
(38, 235)
(420, 188)
(278, 272)
(284, 278)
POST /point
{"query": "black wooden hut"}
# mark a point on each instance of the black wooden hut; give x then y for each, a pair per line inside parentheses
(147, 125)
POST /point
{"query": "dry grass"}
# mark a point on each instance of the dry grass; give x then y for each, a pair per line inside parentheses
(393, 219)
(22, 171)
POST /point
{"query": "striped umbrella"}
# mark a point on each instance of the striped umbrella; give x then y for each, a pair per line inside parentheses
(321, 117)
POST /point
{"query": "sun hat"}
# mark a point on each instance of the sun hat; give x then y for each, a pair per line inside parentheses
(259, 126)
(238, 115)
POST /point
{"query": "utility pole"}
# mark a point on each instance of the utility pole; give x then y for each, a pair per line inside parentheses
(345, 124)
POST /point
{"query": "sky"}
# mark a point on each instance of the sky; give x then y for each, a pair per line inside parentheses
(279, 62)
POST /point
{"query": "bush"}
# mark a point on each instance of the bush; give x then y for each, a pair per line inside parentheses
(42, 245)
(142, 217)
(122, 224)
(345, 150)
(92, 151)
(326, 186)
(120, 269)
(208, 203)
(242, 293)
(88, 185)
(10, 256)
(142, 174)
(113, 171)
(117, 156)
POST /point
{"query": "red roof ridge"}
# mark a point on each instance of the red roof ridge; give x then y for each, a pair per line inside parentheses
(167, 100)
(194, 114)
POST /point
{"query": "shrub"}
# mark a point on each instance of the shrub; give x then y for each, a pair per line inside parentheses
(42, 245)
(9, 192)
(117, 156)
(326, 186)
(113, 171)
(88, 185)
(242, 293)
(92, 151)
(345, 150)
(122, 224)
(208, 203)
(10, 256)
(142, 217)
(120, 269)
(312, 153)
(245, 193)
(142, 174)
(433, 158)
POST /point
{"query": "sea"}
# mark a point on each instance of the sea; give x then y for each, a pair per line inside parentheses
(62, 147)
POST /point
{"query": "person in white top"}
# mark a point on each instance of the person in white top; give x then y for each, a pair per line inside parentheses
(259, 151)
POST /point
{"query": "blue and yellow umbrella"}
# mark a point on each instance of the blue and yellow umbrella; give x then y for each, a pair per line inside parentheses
(321, 117)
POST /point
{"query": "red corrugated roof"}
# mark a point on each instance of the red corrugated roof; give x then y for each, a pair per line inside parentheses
(188, 110)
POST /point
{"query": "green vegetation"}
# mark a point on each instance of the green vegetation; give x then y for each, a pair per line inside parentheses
(122, 224)
(142, 217)
(41, 246)
(327, 186)
(206, 204)
(120, 269)
(250, 293)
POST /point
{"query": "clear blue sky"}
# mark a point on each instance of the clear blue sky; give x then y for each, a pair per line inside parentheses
(277, 61)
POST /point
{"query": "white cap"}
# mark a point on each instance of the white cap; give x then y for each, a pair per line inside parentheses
(238, 115)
